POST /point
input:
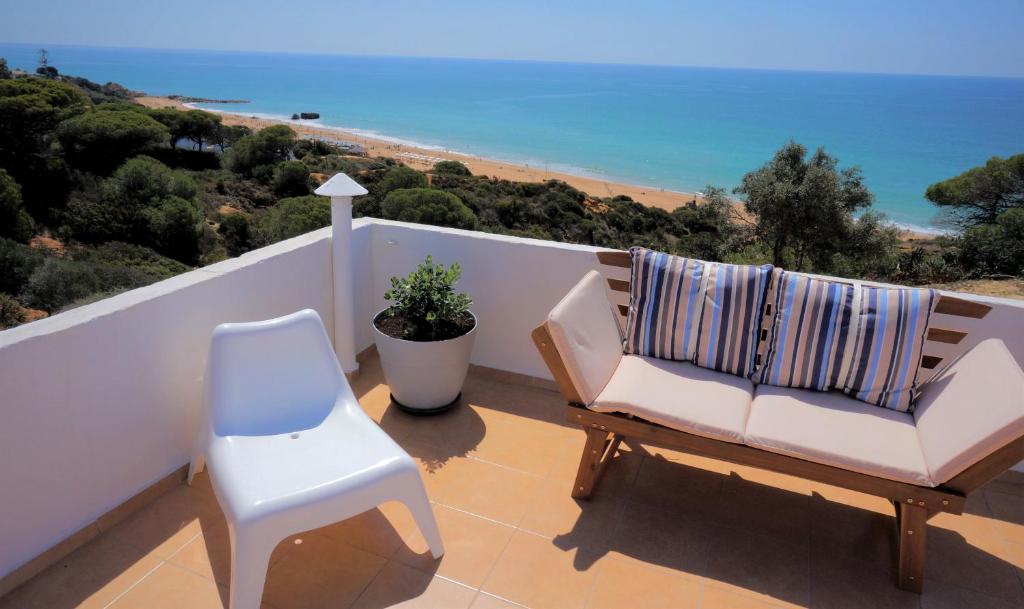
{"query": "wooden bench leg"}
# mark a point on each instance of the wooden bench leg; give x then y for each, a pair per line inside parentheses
(597, 452)
(912, 522)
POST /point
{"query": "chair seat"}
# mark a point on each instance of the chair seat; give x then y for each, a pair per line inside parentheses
(679, 395)
(304, 473)
(833, 429)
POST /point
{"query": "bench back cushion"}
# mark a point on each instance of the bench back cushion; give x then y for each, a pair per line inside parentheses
(807, 335)
(865, 341)
(731, 319)
(689, 310)
(891, 327)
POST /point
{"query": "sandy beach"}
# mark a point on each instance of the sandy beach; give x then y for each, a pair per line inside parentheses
(423, 158)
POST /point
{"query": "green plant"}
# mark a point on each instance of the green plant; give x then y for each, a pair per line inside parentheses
(427, 303)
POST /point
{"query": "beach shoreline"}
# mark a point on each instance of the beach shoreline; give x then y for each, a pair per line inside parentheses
(423, 158)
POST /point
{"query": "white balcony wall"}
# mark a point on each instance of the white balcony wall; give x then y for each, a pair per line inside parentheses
(100, 402)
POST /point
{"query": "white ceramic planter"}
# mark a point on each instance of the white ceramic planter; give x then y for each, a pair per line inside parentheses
(425, 377)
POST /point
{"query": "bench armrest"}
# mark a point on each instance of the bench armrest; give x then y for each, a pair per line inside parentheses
(970, 410)
(585, 334)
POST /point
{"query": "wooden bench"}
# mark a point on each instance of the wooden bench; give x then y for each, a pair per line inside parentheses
(914, 505)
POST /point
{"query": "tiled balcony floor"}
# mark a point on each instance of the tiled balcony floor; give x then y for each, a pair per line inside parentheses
(664, 530)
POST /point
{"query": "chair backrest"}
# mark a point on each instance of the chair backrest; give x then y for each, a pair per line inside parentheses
(950, 323)
(270, 377)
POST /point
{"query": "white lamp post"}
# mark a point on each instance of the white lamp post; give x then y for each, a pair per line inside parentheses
(341, 189)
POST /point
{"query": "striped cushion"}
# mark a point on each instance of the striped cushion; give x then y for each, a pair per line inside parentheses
(808, 335)
(886, 354)
(688, 310)
(731, 319)
(664, 305)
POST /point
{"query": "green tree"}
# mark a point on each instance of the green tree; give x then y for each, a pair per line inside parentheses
(201, 127)
(17, 263)
(427, 206)
(291, 179)
(228, 135)
(803, 205)
(30, 110)
(265, 147)
(994, 249)
(102, 140)
(295, 216)
(173, 120)
(173, 228)
(14, 221)
(5, 72)
(399, 177)
(979, 195)
(454, 168)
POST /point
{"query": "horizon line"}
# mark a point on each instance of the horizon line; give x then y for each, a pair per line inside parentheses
(507, 60)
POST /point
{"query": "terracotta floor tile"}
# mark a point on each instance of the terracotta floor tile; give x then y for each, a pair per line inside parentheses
(841, 530)
(765, 567)
(631, 584)
(400, 586)
(90, 577)
(1007, 514)
(572, 522)
(381, 531)
(852, 584)
(522, 444)
(662, 537)
(166, 525)
(209, 555)
(489, 490)
(762, 509)
(844, 496)
(954, 560)
(1010, 483)
(685, 489)
(940, 595)
(489, 601)
(171, 587)
(532, 571)
(792, 484)
(472, 546)
(714, 597)
(320, 573)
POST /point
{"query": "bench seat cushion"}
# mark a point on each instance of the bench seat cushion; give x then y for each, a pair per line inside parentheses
(679, 395)
(833, 429)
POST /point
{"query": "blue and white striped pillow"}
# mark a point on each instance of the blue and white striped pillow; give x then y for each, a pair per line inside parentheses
(689, 310)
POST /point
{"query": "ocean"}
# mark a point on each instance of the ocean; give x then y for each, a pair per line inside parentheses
(676, 128)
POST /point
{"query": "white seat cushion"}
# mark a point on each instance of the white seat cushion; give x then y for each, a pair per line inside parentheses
(833, 429)
(971, 410)
(679, 395)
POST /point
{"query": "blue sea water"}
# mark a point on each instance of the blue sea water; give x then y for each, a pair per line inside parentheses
(673, 128)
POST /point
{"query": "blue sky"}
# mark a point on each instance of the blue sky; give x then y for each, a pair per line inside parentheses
(979, 37)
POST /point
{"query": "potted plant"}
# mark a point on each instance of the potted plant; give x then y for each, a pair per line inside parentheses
(425, 338)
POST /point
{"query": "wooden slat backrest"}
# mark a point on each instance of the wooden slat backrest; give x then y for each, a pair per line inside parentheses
(951, 322)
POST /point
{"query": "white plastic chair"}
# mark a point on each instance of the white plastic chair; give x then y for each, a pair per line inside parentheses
(288, 446)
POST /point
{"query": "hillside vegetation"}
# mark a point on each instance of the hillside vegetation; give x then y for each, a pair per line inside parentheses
(99, 194)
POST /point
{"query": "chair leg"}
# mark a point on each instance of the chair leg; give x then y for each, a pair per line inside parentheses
(419, 506)
(250, 557)
(597, 452)
(912, 521)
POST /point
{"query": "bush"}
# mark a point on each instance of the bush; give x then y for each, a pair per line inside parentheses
(454, 168)
(399, 177)
(236, 230)
(11, 312)
(291, 179)
(14, 221)
(17, 263)
(428, 206)
(295, 216)
(265, 147)
(994, 249)
(173, 228)
(426, 301)
(57, 283)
